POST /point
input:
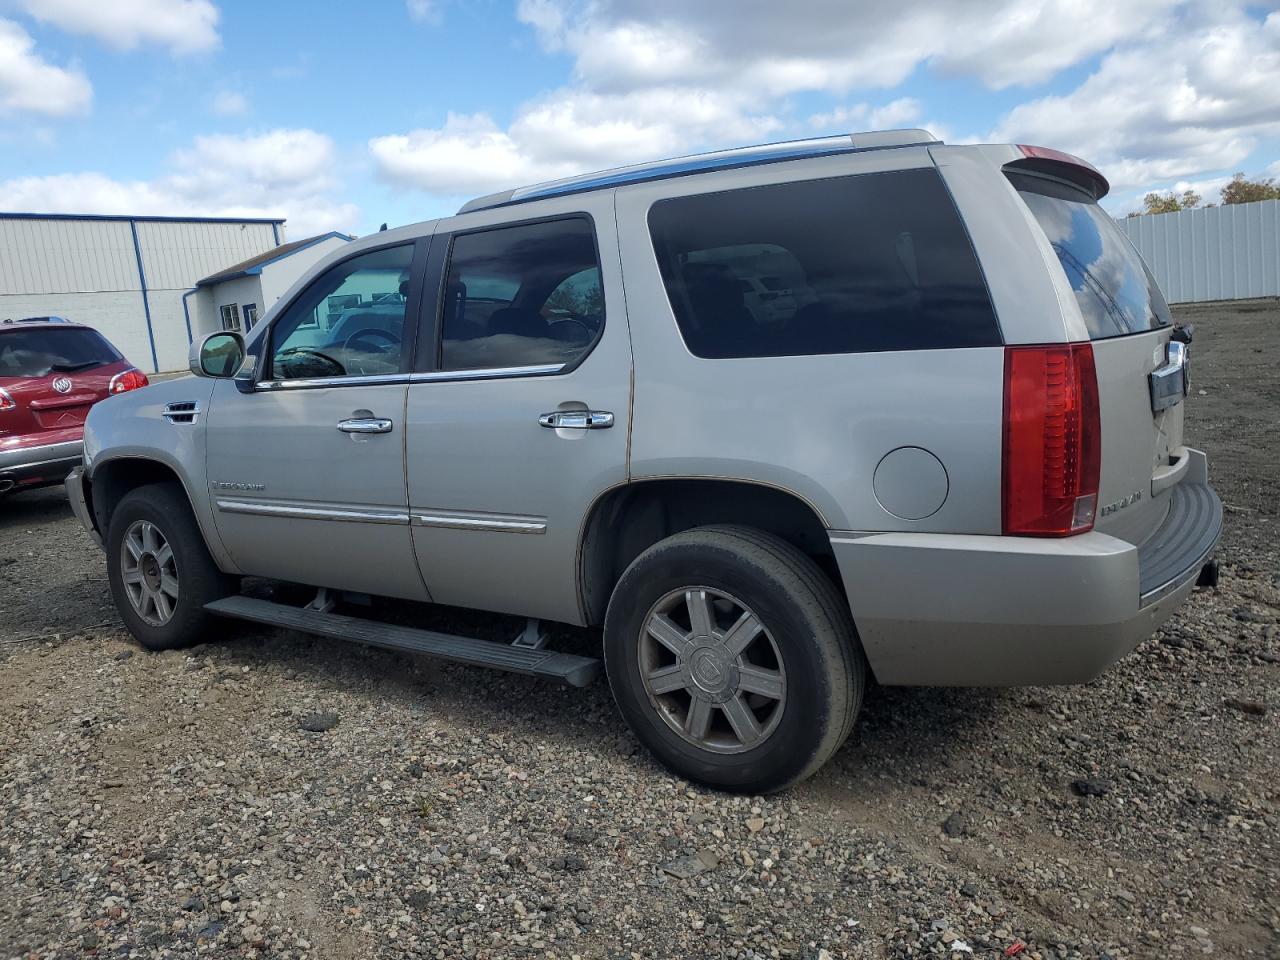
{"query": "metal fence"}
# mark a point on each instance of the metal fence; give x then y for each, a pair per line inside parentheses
(1230, 252)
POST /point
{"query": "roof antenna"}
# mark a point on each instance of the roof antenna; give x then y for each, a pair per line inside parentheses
(381, 228)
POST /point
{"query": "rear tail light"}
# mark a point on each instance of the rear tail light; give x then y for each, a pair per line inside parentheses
(131, 379)
(1052, 445)
(6, 401)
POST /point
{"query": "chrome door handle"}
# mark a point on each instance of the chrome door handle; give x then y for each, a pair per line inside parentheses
(365, 425)
(578, 419)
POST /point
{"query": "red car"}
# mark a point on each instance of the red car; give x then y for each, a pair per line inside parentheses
(51, 373)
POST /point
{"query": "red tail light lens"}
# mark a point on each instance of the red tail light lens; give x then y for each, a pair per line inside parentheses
(129, 380)
(1052, 444)
(6, 401)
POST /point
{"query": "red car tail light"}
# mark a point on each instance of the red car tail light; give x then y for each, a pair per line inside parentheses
(6, 401)
(130, 379)
(1052, 442)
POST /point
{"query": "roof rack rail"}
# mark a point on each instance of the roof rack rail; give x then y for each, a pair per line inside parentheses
(703, 162)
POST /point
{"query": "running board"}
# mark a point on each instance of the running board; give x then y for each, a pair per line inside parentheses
(566, 667)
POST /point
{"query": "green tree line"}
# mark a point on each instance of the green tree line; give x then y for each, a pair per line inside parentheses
(1239, 190)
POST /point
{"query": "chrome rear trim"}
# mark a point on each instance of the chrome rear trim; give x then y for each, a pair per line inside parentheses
(491, 524)
(286, 511)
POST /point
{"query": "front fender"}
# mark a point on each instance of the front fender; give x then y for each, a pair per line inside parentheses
(133, 426)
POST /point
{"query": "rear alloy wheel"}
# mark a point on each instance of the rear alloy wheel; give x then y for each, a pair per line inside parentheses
(733, 658)
(159, 569)
(712, 671)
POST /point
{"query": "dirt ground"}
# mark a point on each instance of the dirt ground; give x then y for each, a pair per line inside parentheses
(175, 805)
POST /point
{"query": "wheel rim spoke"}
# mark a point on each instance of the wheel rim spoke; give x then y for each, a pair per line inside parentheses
(743, 721)
(149, 573)
(133, 543)
(753, 679)
(666, 679)
(742, 633)
(131, 576)
(662, 629)
(698, 721)
(164, 556)
(701, 617)
(169, 586)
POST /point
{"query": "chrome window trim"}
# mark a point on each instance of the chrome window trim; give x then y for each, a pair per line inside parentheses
(312, 383)
(487, 373)
(492, 524)
(258, 509)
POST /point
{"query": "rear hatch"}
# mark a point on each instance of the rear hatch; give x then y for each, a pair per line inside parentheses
(1130, 327)
(53, 374)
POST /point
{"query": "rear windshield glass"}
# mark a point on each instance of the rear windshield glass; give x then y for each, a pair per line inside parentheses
(856, 264)
(37, 352)
(1116, 292)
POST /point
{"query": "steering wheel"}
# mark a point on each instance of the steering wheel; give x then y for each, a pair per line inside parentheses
(369, 333)
(555, 322)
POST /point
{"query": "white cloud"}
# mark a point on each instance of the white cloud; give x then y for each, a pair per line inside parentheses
(424, 11)
(184, 26)
(30, 84)
(280, 173)
(1177, 89)
(228, 103)
(1191, 99)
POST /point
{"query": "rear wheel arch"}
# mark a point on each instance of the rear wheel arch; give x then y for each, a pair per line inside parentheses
(626, 520)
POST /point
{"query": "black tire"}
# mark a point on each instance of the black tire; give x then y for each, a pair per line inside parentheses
(199, 580)
(809, 627)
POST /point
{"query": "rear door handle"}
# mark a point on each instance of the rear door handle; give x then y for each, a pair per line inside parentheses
(577, 419)
(365, 425)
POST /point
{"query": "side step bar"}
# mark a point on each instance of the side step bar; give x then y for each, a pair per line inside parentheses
(567, 668)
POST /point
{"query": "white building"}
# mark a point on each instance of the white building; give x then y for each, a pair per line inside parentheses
(124, 276)
(236, 296)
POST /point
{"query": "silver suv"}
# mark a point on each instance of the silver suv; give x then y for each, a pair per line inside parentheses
(952, 454)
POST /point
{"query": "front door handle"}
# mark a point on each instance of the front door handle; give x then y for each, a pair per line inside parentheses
(365, 425)
(578, 419)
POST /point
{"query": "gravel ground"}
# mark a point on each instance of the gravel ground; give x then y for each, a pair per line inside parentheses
(279, 796)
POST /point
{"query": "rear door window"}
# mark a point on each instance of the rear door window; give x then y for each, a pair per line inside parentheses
(39, 352)
(521, 296)
(1116, 293)
(856, 264)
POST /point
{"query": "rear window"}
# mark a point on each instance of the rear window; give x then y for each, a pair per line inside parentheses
(1116, 293)
(857, 264)
(39, 352)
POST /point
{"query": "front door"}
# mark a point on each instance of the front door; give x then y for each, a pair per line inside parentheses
(306, 469)
(518, 419)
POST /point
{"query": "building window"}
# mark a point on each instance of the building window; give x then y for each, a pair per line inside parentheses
(230, 316)
(250, 316)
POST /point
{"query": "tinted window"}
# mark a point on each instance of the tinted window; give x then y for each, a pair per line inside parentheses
(345, 323)
(1115, 291)
(874, 262)
(38, 352)
(522, 296)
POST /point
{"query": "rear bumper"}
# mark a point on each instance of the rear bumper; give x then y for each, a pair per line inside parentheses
(957, 610)
(22, 467)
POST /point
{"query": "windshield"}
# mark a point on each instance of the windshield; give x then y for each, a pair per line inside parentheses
(32, 352)
(1116, 293)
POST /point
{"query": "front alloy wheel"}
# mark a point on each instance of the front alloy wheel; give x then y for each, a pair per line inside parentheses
(149, 573)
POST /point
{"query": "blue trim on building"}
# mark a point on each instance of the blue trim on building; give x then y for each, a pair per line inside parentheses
(146, 303)
(275, 232)
(186, 313)
(256, 269)
(128, 219)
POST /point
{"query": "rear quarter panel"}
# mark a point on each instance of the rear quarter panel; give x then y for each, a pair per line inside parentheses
(816, 426)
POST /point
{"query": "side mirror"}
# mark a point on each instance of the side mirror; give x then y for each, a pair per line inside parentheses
(218, 355)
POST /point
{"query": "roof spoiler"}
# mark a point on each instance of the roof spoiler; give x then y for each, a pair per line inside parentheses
(1066, 166)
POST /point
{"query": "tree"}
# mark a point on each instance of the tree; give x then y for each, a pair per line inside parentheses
(1240, 190)
(1168, 202)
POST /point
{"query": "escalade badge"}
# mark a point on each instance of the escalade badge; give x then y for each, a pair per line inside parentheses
(62, 384)
(1120, 504)
(226, 485)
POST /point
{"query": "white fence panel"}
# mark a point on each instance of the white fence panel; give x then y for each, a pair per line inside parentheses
(1231, 252)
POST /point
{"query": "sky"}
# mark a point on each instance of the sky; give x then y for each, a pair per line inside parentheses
(348, 115)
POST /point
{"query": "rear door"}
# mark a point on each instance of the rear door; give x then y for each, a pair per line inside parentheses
(518, 417)
(54, 374)
(1131, 329)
